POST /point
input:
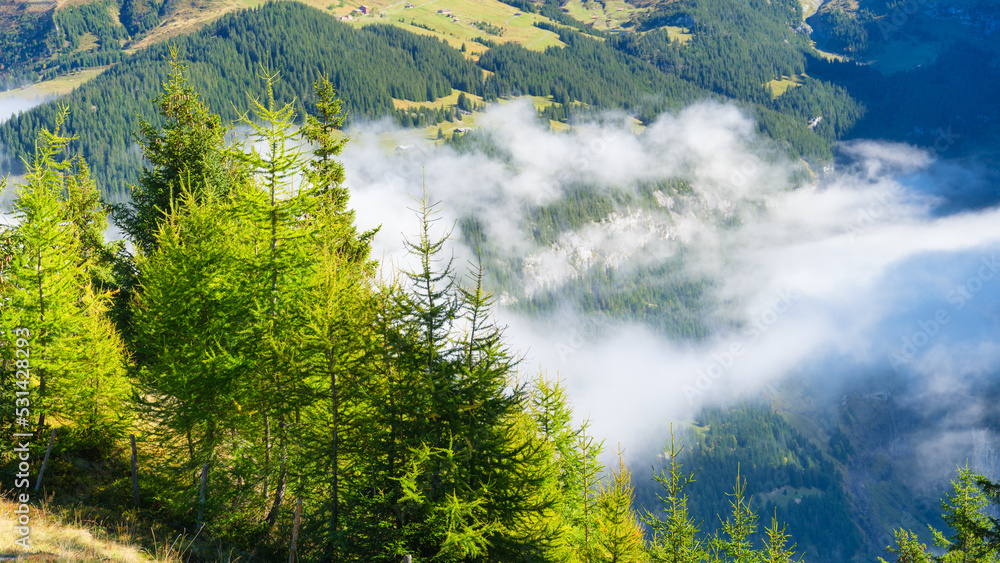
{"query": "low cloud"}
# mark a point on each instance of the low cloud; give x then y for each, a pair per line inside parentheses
(810, 276)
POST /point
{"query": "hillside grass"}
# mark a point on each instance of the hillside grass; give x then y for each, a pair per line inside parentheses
(58, 86)
(188, 16)
(779, 86)
(455, 27)
(611, 15)
(81, 534)
(71, 536)
(681, 34)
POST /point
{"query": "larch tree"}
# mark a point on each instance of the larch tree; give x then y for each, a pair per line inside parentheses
(191, 317)
(735, 544)
(965, 512)
(908, 549)
(675, 535)
(76, 355)
(575, 470)
(777, 549)
(337, 333)
(619, 536)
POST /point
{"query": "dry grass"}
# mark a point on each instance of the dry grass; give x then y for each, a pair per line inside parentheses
(66, 537)
(188, 17)
(76, 536)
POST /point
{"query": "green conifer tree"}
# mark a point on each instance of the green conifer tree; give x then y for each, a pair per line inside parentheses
(191, 324)
(964, 512)
(736, 542)
(190, 150)
(76, 357)
(777, 549)
(908, 549)
(619, 537)
(675, 536)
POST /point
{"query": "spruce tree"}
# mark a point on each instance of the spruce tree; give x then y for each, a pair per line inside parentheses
(189, 150)
(457, 472)
(189, 153)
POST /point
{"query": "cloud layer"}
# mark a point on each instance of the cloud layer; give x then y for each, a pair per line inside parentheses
(877, 268)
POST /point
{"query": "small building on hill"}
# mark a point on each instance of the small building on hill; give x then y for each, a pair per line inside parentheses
(364, 10)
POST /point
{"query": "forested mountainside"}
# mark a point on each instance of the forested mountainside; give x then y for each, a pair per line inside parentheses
(43, 39)
(370, 66)
(784, 473)
(837, 471)
(637, 75)
(224, 55)
(759, 54)
(249, 338)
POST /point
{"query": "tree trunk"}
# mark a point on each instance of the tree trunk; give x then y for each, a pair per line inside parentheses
(335, 461)
(279, 492)
(41, 373)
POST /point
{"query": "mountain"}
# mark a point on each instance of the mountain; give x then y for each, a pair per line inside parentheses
(844, 468)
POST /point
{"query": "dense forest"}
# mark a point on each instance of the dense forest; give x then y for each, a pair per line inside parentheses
(735, 51)
(783, 472)
(251, 343)
(267, 369)
(371, 66)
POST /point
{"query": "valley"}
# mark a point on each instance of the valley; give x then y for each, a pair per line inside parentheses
(648, 187)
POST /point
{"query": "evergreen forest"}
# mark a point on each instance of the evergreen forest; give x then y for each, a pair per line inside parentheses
(278, 378)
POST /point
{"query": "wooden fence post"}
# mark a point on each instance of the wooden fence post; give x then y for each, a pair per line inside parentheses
(201, 500)
(295, 532)
(135, 472)
(41, 472)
